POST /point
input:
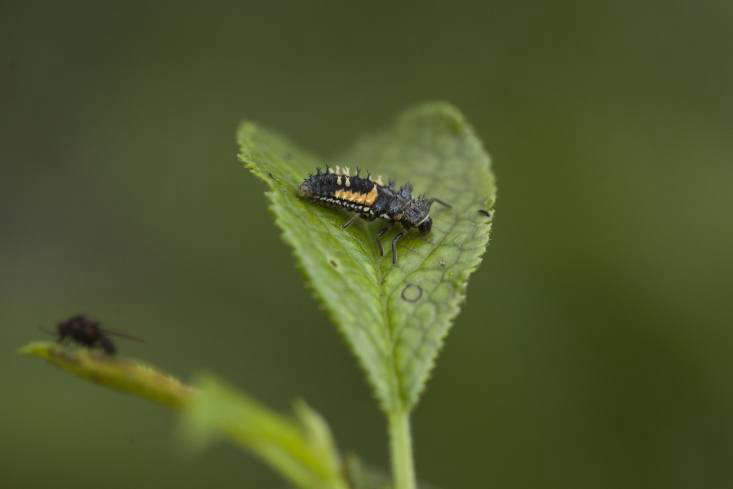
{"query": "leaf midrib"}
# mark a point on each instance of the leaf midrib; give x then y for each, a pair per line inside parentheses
(400, 379)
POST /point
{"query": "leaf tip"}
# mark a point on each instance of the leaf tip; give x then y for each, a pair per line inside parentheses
(244, 130)
(34, 348)
(46, 350)
(438, 111)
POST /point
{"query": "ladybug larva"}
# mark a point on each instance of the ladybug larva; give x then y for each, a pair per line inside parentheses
(369, 199)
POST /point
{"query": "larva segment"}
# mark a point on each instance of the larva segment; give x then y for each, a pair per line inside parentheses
(363, 198)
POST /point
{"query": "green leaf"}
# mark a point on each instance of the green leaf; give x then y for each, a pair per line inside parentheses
(300, 448)
(394, 317)
(119, 373)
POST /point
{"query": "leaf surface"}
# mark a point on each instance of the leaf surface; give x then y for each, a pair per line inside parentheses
(394, 317)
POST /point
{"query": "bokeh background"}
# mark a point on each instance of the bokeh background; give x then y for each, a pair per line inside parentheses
(595, 346)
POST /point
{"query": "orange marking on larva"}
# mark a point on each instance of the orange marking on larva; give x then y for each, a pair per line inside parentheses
(371, 197)
(346, 195)
(358, 197)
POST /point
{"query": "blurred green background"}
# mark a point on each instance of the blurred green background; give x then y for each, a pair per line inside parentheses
(595, 346)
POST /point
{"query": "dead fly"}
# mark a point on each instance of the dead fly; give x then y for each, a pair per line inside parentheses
(86, 332)
(369, 199)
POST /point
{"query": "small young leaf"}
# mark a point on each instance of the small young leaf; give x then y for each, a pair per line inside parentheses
(122, 374)
(300, 448)
(394, 317)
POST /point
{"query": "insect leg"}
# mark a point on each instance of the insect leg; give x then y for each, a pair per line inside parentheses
(107, 345)
(381, 233)
(348, 223)
(396, 239)
(433, 199)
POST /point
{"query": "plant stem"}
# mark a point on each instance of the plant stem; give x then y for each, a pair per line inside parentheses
(403, 468)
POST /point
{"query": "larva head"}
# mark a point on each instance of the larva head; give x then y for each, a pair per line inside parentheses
(425, 226)
(417, 214)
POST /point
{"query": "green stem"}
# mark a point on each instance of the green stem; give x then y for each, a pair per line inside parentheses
(403, 468)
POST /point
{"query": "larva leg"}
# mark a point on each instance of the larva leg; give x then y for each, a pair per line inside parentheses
(381, 233)
(396, 239)
(351, 220)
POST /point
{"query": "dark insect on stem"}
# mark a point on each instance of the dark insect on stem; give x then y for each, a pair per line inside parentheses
(486, 213)
(369, 198)
(83, 331)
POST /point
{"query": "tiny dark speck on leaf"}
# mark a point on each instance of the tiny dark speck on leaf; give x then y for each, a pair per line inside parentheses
(412, 293)
(333, 263)
(486, 213)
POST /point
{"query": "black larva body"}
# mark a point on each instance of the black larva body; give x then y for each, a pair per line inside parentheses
(369, 199)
